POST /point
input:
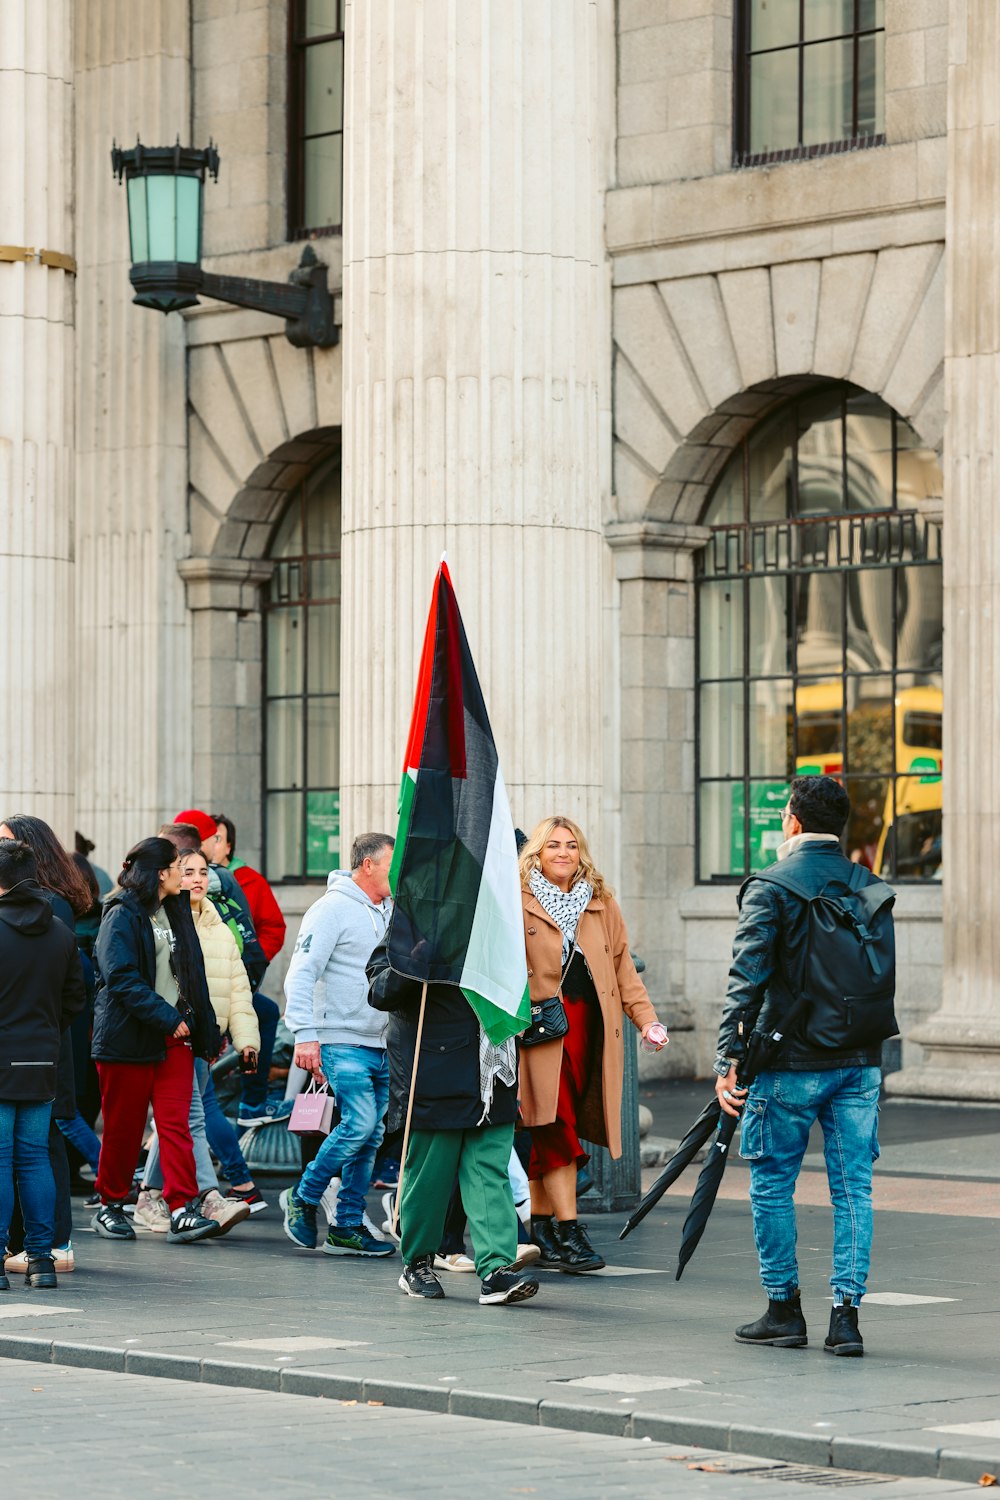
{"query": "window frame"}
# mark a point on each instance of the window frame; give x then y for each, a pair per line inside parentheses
(298, 46)
(742, 55)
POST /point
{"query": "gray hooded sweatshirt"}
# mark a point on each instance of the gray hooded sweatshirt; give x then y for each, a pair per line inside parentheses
(326, 988)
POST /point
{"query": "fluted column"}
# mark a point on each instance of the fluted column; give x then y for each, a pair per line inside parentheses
(37, 680)
(473, 346)
(134, 746)
(962, 1041)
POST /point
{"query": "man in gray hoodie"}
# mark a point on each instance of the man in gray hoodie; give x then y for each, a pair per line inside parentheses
(338, 1037)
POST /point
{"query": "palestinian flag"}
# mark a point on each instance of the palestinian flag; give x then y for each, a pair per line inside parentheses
(457, 914)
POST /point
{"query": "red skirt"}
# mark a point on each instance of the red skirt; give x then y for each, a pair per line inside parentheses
(558, 1145)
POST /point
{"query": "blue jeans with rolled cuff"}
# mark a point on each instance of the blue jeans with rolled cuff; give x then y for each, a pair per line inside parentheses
(359, 1078)
(24, 1153)
(780, 1110)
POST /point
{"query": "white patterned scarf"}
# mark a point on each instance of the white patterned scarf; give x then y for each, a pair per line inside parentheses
(494, 1062)
(564, 907)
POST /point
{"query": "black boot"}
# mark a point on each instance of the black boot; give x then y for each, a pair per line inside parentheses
(543, 1234)
(578, 1254)
(782, 1326)
(844, 1337)
(41, 1273)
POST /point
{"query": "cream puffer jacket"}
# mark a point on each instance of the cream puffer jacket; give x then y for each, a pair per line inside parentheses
(228, 984)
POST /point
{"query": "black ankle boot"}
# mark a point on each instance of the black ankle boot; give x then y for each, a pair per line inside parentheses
(844, 1337)
(578, 1254)
(41, 1273)
(782, 1326)
(543, 1234)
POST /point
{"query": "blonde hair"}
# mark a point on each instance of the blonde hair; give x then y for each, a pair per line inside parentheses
(529, 859)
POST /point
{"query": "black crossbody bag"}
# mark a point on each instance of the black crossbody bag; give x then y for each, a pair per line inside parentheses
(549, 1021)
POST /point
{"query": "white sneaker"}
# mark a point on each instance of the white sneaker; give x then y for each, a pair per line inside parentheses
(453, 1263)
(388, 1202)
(151, 1212)
(376, 1234)
(328, 1202)
(227, 1212)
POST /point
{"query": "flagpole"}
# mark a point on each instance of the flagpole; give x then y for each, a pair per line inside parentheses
(409, 1110)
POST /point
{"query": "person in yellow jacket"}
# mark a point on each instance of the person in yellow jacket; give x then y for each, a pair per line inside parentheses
(232, 1001)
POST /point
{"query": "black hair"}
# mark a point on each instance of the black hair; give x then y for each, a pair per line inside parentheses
(56, 871)
(17, 863)
(230, 828)
(90, 879)
(820, 804)
(141, 875)
(141, 870)
(369, 846)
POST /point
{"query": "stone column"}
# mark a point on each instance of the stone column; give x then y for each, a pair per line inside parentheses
(654, 567)
(136, 720)
(37, 678)
(962, 1041)
(474, 339)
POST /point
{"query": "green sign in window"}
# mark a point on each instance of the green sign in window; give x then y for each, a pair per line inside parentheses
(322, 833)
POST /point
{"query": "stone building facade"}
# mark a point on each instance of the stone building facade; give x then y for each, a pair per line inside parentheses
(565, 312)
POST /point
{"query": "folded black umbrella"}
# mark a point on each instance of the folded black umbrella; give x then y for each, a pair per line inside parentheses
(689, 1147)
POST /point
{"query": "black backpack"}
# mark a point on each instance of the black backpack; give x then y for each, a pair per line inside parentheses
(848, 979)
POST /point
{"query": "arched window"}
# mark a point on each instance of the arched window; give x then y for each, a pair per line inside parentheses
(302, 684)
(820, 636)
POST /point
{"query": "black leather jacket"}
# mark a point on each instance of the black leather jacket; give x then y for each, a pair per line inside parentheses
(768, 959)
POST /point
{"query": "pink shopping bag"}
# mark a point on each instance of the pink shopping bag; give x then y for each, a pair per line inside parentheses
(312, 1112)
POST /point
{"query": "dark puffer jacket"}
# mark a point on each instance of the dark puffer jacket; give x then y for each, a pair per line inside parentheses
(131, 1021)
(448, 1093)
(769, 955)
(41, 990)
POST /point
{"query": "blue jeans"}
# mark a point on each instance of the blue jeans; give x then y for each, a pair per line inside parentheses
(779, 1111)
(254, 1093)
(82, 1138)
(359, 1077)
(221, 1136)
(24, 1152)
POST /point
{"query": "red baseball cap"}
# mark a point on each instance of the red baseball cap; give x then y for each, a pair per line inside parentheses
(206, 825)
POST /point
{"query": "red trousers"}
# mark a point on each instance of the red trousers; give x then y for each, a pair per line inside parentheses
(127, 1089)
(558, 1145)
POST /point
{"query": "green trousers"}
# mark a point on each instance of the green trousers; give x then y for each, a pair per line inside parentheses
(480, 1158)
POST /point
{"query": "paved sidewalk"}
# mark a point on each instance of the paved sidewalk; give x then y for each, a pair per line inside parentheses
(628, 1352)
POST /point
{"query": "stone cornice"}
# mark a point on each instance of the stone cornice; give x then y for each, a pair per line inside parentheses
(654, 549)
(224, 582)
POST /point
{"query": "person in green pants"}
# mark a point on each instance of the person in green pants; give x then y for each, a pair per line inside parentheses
(453, 1132)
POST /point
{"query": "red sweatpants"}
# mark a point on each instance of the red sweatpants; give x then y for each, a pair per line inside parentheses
(126, 1092)
(557, 1145)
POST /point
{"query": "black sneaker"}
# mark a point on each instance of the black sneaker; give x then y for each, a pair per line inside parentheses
(188, 1224)
(578, 1254)
(41, 1273)
(782, 1326)
(506, 1286)
(543, 1234)
(111, 1223)
(92, 1201)
(354, 1240)
(844, 1337)
(418, 1279)
(252, 1196)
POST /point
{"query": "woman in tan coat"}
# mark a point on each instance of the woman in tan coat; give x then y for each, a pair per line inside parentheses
(577, 946)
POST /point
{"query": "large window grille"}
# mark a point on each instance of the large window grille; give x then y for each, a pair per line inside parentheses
(302, 684)
(820, 636)
(315, 117)
(809, 78)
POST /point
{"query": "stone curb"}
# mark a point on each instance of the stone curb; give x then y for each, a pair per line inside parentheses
(873, 1456)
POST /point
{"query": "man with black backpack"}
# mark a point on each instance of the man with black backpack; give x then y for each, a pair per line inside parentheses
(814, 972)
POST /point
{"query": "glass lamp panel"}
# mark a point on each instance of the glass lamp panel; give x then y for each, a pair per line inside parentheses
(867, 835)
(827, 88)
(871, 84)
(770, 626)
(285, 652)
(284, 836)
(323, 754)
(824, 18)
(770, 709)
(323, 159)
(324, 91)
(721, 830)
(189, 190)
(774, 101)
(322, 17)
(324, 649)
(138, 224)
(284, 742)
(869, 724)
(720, 729)
(919, 619)
(720, 629)
(819, 720)
(819, 623)
(773, 23)
(869, 454)
(869, 620)
(161, 202)
(820, 457)
(770, 470)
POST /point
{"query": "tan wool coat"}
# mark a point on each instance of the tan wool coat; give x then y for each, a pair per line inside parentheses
(603, 941)
(228, 984)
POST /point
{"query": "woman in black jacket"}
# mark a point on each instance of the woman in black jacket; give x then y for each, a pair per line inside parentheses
(152, 1014)
(464, 1107)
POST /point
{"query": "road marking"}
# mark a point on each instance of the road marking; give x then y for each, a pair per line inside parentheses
(32, 1310)
(304, 1344)
(971, 1429)
(633, 1384)
(629, 1271)
(903, 1299)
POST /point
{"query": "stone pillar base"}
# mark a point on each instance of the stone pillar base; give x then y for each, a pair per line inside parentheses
(962, 1062)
